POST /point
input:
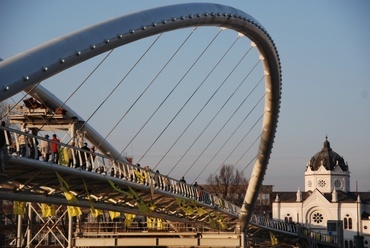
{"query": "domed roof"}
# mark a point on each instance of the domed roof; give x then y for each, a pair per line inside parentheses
(328, 158)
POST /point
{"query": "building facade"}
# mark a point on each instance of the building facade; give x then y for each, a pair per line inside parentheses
(327, 197)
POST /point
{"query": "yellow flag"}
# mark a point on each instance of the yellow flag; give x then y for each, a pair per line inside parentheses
(73, 211)
(129, 218)
(113, 214)
(139, 176)
(212, 222)
(47, 210)
(143, 207)
(274, 240)
(220, 220)
(89, 198)
(96, 212)
(63, 183)
(117, 188)
(150, 222)
(19, 207)
(185, 206)
(65, 187)
(159, 224)
(151, 206)
(200, 210)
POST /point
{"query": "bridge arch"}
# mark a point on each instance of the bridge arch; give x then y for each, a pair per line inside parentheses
(26, 70)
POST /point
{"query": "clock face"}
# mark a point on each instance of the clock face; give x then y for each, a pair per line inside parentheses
(322, 183)
(337, 183)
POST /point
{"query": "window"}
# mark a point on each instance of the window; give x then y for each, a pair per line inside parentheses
(337, 183)
(322, 183)
(347, 222)
(317, 218)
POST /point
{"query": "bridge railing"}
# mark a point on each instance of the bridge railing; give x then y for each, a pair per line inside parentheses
(24, 144)
(297, 229)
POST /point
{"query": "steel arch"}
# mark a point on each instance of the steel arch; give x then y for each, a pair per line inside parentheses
(27, 69)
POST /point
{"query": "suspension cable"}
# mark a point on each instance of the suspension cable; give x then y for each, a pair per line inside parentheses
(123, 116)
(119, 83)
(188, 126)
(209, 123)
(236, 129)
(191, 96)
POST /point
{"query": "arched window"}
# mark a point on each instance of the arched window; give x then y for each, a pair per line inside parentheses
(350, 223)
(346, 244)
(347, 222)
(350, 244)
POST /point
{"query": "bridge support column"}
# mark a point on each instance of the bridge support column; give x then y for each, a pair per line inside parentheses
(70, 223)
(19, 231)
(29, 225)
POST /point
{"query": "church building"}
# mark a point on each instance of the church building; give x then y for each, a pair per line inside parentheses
(327, 198)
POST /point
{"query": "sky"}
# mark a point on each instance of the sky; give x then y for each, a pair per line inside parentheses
(324, 51)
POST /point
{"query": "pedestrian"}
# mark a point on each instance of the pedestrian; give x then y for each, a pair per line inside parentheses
(91, 157)
(55, 148)
(71, 155)
(45, 148)
(3, 151)
(84, 156)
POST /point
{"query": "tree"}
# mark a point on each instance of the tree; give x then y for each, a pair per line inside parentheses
(230, 184)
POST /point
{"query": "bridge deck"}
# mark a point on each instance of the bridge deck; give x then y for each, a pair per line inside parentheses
(110, 185)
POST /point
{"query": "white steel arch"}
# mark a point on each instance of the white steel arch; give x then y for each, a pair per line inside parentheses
(27, 69)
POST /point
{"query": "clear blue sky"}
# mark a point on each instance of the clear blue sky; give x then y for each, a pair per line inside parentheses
(324, 49)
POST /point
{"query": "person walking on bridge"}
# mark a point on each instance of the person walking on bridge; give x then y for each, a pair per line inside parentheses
(45, 149)
(2, 147)
(55, 149)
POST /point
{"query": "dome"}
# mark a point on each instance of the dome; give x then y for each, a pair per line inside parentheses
(328, 158)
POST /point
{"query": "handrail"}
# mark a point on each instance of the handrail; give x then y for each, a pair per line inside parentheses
(103, 164)
(293, 228)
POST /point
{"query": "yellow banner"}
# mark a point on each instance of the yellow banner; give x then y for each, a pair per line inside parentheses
(73, 211)
(129, 218)
(113, 214)
(19, 207)
(48, 210)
